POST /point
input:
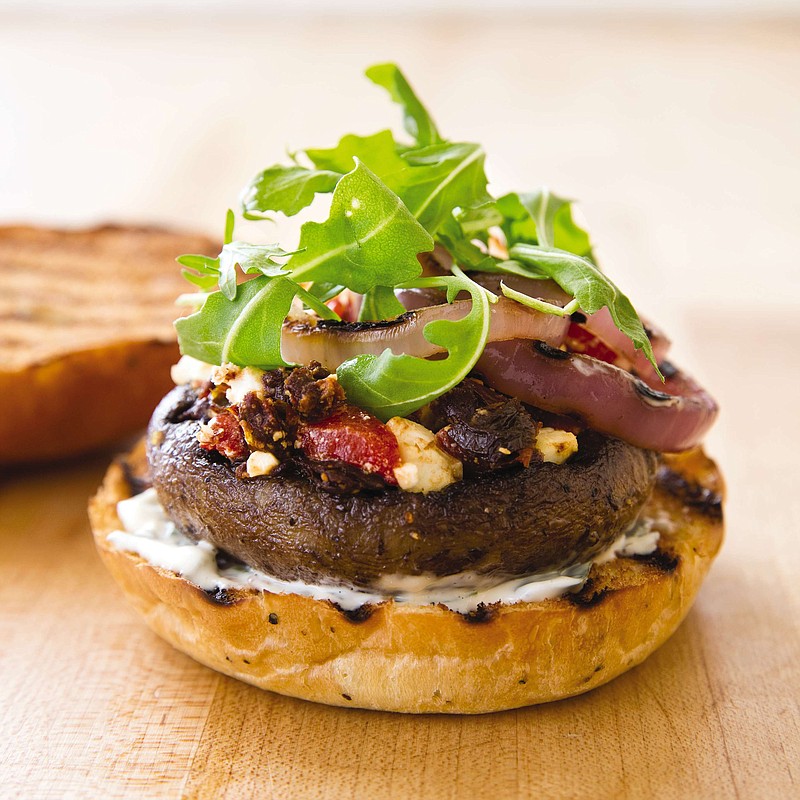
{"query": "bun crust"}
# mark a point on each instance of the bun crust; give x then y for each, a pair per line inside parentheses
(85, 361)
(428, 659)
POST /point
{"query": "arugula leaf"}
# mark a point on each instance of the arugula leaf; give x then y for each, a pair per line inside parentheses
(207, 272)
(200, 270)
(391, 385)
(285, 189)
(542, 218)
(477, 220)
(590, 287)
(227, 275)
(378, 303)
(230, 221)
(205, 265)
(431, 180)
(245, 330)
(441, 177)
(205, 282)
(379, 152)
(369, 239)
(464, 252)
(325, 291)
(315, 304)
(254, 258)
(416, 119)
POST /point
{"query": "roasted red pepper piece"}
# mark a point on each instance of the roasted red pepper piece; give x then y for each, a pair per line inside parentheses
(224, 435)
(355, 437)
(580, 340)
(347, 304)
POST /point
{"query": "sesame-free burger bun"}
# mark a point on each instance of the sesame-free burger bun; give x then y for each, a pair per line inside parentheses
(86, 335)
(429, 659)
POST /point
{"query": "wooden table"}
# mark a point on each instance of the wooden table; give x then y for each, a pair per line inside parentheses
(95, 706)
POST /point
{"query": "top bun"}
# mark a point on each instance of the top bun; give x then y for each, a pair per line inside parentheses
(86, 339)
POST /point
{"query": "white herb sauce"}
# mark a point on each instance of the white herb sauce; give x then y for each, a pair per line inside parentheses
(149, 533)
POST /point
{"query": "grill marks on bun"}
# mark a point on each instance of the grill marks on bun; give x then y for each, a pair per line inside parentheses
(706, 500)
(381, 656)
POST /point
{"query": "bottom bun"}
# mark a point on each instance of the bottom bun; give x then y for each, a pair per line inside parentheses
(424, 659)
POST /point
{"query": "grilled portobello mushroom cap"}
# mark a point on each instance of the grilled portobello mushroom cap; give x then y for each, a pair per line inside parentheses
(509, 523)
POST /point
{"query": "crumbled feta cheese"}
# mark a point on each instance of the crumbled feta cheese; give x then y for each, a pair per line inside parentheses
(556, 446)
(298, 313)
(207, 431)
(260, 463)
(424, 466)
(239, 380)
(190, 370)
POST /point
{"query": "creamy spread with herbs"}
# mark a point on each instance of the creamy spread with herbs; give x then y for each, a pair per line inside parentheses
(150, 534)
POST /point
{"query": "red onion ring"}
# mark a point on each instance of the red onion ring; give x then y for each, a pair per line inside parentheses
(599, 324)
(604, 397)
(332, 343)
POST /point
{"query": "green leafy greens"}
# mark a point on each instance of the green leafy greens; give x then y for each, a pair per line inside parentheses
(416, 119)
(369, 239)
(432, 177)
(392, 385)
(542, 218)
(245, 330)
(380, 302)
(391, 201)
(287, 189)
(590, 288)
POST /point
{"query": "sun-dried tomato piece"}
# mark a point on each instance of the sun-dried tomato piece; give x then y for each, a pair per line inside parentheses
(223, 434)
(267, 424)
(354, 437)
(482, 428)
(313, 392)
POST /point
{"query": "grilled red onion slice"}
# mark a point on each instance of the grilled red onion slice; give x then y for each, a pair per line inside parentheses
(603, 396)
(599, 324)
(332, 343)
(544, 290)
(414, 299)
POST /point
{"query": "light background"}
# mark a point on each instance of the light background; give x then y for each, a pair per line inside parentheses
(676, 125)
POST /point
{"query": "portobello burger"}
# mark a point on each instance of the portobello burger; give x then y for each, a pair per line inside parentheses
(429, 460)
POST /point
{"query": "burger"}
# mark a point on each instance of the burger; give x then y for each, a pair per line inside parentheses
(429, 460)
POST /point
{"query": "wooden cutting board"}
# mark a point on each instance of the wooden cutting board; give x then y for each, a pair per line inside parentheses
(95, 706)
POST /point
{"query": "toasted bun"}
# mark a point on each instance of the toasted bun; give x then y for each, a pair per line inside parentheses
(423, 659)
(86, 337)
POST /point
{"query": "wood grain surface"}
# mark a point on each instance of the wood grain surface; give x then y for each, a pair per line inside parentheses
(95, 706)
